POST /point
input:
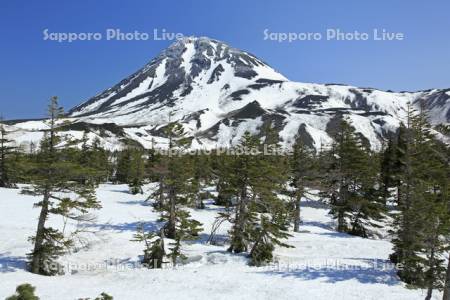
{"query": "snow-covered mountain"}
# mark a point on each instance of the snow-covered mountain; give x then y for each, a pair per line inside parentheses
(218, 92)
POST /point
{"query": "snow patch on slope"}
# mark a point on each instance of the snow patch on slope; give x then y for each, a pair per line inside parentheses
(230, 136)
(364, 126)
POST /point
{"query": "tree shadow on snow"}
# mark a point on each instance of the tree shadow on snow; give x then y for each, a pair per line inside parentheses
(124, 191)
(218, 240)
(315, 204)
(327, 226)
(335, 234)
(370, 274)
(12, 263)
(128, 226)
(135, 202)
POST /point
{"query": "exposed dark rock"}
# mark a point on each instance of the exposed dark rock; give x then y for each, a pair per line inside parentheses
(305, 137)
(268, 81)
(194, 116)
(245, 73)
(211, 133)
(380, 122)
(216, 73)
(235, 96)
(334, 126)
(309, 101)
(82, 126)
(359, 101)
(373, 113)
(249, 111)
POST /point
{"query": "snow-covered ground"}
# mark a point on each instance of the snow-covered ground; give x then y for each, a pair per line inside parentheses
(323, 265)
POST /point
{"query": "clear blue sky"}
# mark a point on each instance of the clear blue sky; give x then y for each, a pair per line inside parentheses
(32, 70)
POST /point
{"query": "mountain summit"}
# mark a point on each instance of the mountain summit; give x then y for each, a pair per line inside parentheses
(193, 72)
(218, 92)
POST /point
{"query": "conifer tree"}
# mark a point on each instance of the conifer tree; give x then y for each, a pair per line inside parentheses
(55, 179)
(95, 157)
(123, 166)
(6, 158)
(265, 236)
(154, 251)
(174, 194)
(302, 170)
(136, 171)
(88, 155)
(201, 165)
(152, 160)
(104, 296)
(222, 165)
(404, 235)
(421, 220)
(159, 171)
(24, 292)
(177, 185)
(352, 180)
(446, 294)
(387, 170)
(258, 214)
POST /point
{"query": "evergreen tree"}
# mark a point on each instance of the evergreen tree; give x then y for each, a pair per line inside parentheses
(421, 220)
(153, 158)
(24, 292)
(187, 230)
(258, 222)
(6, 159)
(405, 242)
(95, 157)
(176, 185)
(201, 165)
(136, 171)
(222, 165)
(352, 180)
(56, 180)
(175, 192)
(123, 166)
(154, 251)
(303, 171)
(159, 170)
(104, 296)
(265, 237)
(446, 295)
(387, 170)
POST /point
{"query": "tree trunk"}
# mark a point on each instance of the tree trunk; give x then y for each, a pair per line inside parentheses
(39, 239)
(429, 292)
(432, 269)
(3, 172)
(297, 213)
(341, 200)
(171, 229)
(341, 224)
(159, 256)
(238, 244)
(160, 203)
(256, 244)
(198, 199)
(447, 283)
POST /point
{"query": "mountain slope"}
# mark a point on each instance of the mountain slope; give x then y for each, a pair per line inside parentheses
(218, 92)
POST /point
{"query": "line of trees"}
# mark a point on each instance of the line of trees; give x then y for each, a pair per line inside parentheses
(406, 185)
(416, 174)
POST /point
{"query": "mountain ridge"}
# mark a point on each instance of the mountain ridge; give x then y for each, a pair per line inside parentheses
(218, 92)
